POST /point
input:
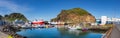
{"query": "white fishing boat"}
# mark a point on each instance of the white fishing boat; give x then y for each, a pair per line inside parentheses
(72, 28)
(75, 27)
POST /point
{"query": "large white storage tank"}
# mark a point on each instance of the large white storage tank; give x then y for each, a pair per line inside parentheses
(103, 20)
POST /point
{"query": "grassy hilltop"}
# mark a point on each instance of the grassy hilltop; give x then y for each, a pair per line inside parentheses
(75, 15)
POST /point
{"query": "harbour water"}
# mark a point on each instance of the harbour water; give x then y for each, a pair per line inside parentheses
(57, 33)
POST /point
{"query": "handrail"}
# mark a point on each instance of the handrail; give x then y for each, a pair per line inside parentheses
(108, 33)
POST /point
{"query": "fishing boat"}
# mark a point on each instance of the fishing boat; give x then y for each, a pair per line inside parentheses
(75, 27)
(38, 22)
(84, 29)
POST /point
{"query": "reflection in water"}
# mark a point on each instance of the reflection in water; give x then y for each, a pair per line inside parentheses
(57, 33)
(76, 32)
(66, 33)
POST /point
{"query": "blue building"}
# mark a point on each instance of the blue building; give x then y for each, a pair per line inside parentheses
(98, 21)
(2, 22)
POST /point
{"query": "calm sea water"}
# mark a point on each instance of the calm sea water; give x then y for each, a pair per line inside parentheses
(57, 33)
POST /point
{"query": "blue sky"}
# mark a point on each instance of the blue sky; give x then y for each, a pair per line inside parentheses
(48, 9)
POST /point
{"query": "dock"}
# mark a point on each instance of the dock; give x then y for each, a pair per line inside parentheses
(3, 35)
(113, 32)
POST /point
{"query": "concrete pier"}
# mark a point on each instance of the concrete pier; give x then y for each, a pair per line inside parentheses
(2, 35)
(115, 32)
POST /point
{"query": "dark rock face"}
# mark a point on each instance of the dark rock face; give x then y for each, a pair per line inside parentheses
(75, 15)
(1, 17)
(10, 30)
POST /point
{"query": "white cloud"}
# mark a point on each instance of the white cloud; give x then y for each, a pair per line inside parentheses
(9, 7)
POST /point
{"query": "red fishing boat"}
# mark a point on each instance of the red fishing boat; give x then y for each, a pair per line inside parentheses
(41, 22)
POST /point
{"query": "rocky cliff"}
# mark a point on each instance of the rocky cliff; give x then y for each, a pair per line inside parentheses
(14, 16)
(75, 15)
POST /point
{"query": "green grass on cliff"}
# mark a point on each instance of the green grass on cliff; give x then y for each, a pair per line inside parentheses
(79, 11)
(13, 16)
(65, 15)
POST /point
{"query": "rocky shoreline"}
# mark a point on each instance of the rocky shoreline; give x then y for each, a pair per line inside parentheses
(10, 30)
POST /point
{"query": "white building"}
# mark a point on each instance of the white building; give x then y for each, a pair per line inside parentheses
(115, 19)
(103, 20)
